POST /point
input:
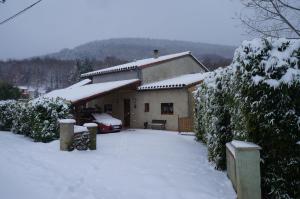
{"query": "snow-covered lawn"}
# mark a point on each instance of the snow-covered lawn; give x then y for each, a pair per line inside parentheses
(133, 164)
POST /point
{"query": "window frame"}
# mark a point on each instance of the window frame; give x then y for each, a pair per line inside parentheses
(170, 106)
(147, 107)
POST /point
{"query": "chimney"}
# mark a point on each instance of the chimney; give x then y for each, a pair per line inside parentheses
(156, 53)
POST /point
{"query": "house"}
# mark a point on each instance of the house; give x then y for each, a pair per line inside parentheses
(158, 88)
(29, 92)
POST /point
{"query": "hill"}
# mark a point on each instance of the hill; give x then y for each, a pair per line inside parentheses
(138, 48)
(58, 70)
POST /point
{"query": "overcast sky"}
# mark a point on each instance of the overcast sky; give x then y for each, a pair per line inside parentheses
(55, 24)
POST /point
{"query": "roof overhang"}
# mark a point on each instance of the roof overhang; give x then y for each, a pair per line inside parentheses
(82, 94)
(183, 81)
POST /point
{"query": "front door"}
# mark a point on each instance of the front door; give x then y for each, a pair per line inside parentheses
(126, 112)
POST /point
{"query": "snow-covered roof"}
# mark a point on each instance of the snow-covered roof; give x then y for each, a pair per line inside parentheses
(23, 87)
(33, 89)
(176, 82)
(81, 83)
(139, 64)
(75, 94)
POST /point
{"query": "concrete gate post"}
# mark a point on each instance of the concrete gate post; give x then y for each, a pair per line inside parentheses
(243, 167)
(66, 133)
(93, 128)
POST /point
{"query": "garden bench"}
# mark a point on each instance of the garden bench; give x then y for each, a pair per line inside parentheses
(158, 124)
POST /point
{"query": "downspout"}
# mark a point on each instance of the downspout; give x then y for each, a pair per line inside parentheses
(139, 74)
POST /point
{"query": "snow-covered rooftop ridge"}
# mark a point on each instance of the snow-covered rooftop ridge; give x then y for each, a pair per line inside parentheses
(135, 64)
(175, 82)
(31, 88)
(81, 83)
(76, 94)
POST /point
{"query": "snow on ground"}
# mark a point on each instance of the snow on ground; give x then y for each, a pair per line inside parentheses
(133, 164)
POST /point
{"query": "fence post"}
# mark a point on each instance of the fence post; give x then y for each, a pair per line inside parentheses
(93, 128)
(243, 167)
(66, 133)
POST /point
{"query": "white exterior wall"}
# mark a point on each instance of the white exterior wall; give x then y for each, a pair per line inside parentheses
(179, 98)
(124, 75)
(159, 71)
(169, 69)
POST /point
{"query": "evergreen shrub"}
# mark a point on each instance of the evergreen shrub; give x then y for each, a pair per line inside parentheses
(257, 99)
(37, 119)
(7, 113)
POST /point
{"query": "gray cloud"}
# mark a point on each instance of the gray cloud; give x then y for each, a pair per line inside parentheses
(56, 24)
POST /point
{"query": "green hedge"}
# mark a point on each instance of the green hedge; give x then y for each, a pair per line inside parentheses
(257, 99)
(37, 119)
(7, 113)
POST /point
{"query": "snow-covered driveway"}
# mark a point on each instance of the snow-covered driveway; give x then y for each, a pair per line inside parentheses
(133, 164)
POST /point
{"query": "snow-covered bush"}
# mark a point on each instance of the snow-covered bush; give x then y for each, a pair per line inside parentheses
(213, 116)
(261, 92)
(22, 122)
(46, 113)
(267, 97)
(36, 119)
(7, 113)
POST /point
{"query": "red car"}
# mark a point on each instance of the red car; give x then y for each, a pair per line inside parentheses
(107, 123)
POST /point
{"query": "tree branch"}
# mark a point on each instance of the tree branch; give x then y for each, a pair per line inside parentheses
(287, 5)
(284, 19)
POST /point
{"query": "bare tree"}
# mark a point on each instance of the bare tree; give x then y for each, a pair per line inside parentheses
(272, 18)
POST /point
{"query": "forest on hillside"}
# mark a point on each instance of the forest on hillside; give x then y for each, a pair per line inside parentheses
(50, 73)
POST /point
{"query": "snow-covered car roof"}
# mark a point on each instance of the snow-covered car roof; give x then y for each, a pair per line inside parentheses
(106, 119)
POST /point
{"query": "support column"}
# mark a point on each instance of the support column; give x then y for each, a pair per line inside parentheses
(66, 133)
(93, 128)
(243, 162)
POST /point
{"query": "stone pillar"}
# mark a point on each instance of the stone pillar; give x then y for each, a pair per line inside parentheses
(66, 132)
(93, 128)
(246, 169)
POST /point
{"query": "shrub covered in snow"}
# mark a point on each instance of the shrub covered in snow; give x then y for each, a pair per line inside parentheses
(36, 119)
(257, 98)
(7, 113)
(213, 117)
(22, 122)
(46, 113)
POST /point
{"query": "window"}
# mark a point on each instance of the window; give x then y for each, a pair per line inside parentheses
(147, 107)
(107, 108)
(167, 108)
